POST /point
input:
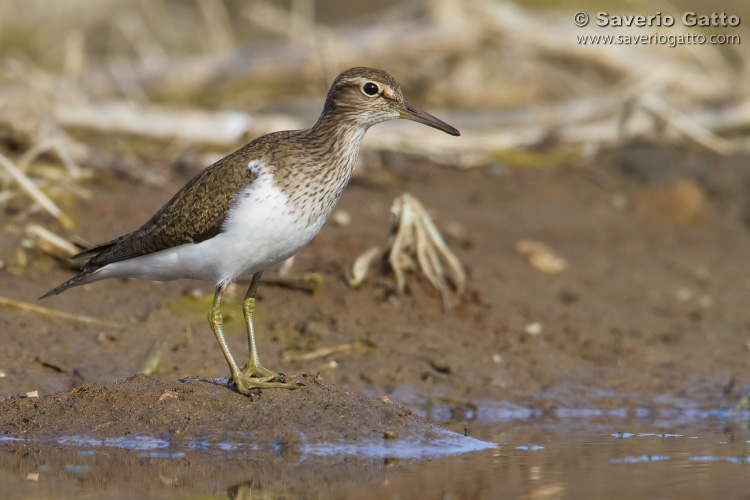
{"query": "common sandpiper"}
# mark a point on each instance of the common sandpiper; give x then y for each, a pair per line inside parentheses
(256, 208)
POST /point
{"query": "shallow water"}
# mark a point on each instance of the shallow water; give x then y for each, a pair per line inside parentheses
(513, 452)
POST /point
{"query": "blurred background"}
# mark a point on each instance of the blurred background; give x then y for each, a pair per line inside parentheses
(93, 86)
(597, 200)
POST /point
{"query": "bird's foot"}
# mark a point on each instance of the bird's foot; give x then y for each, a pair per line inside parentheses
(253, 377)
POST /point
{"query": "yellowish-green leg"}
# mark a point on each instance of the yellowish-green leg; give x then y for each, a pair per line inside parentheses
(251, 379)
(216, 321)
(255, 376)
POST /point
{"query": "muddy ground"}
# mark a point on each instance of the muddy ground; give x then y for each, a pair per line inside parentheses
(651, 310)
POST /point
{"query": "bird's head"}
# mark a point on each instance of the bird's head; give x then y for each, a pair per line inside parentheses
(368, 96)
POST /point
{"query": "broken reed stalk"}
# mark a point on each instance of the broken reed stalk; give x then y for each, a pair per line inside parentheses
(34, 192)
(414, 242)
(320, 353)
(53, 313)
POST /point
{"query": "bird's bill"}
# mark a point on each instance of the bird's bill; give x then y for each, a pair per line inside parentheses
(411, 112)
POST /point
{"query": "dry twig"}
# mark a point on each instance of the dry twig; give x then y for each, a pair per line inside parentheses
(52, 313)
(34, 192)
(50, 243)
(414, 242)
(319, 353)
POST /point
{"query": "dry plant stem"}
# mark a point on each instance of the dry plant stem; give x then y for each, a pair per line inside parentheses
(441, 27)
(308, 282)
(50, 243)
(158, 122)
(414, 241)
(658, 79)
(286, 61)
(402, 222)
(687, 126)
(454, 265)
(150, 363)
(72, 154)
(56, 145)
(362, 265)
(319, 353)
(35, 193)
(27, 307)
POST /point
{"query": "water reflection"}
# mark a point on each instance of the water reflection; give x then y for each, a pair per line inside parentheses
(592, 454)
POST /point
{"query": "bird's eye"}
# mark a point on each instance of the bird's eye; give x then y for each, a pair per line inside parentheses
(370, 89)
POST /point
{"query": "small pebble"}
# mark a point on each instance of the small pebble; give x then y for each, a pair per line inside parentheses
(390, 435)
(619, 201)
(533, 328)
(394, 301)
(705, 301)
(341, 218)
(541, 257)
(167, 395)
(32, 394)
(567, 295)
(683, 294)
(497, 359)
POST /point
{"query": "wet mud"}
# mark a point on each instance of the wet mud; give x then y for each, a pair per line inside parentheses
(145, 414)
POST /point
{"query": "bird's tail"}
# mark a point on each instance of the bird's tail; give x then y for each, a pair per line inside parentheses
(86, 276)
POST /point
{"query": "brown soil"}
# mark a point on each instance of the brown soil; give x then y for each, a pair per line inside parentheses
(652, 308)
(143, 413)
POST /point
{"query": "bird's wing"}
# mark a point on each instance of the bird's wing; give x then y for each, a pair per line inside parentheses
(195, 214)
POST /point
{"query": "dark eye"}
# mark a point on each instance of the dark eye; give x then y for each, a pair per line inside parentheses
(370, 89)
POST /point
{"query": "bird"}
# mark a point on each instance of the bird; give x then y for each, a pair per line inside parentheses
(255, 208)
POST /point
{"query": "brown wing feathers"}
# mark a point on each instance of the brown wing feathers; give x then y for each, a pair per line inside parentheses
(196, 213)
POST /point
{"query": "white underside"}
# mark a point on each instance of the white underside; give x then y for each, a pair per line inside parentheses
(259, 232)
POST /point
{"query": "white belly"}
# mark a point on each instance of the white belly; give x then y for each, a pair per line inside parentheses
(259, 232)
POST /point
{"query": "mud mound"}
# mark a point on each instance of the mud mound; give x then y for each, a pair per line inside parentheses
(143, 413)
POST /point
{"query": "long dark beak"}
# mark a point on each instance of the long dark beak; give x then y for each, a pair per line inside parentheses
(411, 112)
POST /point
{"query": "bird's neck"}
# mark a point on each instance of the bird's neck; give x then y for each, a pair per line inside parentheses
(333, 147)
(336, 141)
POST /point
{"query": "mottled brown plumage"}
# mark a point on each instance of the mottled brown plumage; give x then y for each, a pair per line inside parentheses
(257, 206)
(194, 214)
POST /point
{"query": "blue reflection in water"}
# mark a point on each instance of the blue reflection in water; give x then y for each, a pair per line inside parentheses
(530, 447)
(642, 458)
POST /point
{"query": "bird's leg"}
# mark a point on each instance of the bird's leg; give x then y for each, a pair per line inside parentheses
(255, 376)
(248, 308)
(216, 321)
